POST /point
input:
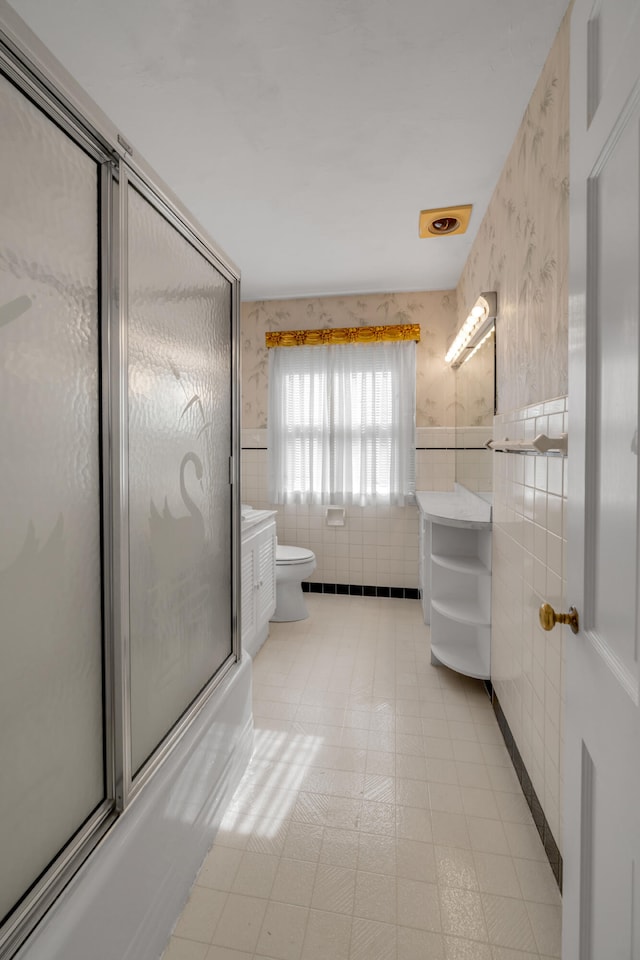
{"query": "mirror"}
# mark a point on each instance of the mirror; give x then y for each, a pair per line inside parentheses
(475, 409)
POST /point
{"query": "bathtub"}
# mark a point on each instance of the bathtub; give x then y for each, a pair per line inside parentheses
(124, 902)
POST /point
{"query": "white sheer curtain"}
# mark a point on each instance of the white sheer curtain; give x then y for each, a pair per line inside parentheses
(342, 423)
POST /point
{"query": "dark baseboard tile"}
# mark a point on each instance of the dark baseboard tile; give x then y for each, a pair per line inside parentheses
(539, 818)
(361, 590)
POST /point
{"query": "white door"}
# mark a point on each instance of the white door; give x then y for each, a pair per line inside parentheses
(602, 734)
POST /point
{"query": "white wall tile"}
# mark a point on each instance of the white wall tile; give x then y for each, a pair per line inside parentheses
(529, 560)
(377, 545)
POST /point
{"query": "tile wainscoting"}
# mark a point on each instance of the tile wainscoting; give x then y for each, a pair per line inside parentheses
(378, 546)
(529, 567)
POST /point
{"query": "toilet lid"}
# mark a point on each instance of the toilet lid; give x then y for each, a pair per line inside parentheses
(289, 555)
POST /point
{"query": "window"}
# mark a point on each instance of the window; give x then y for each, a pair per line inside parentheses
(342, 423)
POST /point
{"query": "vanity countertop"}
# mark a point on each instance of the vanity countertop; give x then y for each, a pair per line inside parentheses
(251, 517)
(458, 508)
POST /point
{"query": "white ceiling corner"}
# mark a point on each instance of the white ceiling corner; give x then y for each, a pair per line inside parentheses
(306, 135)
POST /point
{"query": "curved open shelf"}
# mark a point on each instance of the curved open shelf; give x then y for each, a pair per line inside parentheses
(472, 662)
(462, 611)
(456, 585)
(471, 565)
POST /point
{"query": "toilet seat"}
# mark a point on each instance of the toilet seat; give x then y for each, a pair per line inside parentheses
(287, 556)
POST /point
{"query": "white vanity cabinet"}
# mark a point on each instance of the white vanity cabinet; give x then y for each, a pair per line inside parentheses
(455, 564)
(258, 577)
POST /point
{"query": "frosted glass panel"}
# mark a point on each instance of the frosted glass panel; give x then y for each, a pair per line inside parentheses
(179, 493)
(51, 737)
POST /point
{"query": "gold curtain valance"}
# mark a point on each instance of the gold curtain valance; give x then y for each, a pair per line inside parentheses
(314, 338)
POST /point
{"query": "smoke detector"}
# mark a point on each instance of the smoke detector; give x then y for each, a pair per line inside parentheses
(444, 221)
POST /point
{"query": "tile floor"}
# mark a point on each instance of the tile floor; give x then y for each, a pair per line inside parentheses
(379, 819)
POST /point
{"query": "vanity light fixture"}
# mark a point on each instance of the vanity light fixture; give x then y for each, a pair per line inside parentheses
(469, 353)
(477, 328)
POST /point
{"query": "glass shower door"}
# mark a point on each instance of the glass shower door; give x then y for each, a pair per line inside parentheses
(179, 388)
(51, 651)
(118, 546)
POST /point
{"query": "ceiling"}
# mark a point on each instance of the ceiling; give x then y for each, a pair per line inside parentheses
(307, 135)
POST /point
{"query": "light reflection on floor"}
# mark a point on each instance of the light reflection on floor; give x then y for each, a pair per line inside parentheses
(379, 818)
(268, 791)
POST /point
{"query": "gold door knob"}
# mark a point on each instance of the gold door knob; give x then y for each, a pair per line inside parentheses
(549, 618)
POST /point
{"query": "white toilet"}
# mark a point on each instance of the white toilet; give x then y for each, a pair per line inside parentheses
(293, 565)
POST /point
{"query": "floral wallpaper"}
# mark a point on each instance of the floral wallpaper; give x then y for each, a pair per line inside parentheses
(435, 312)
(521, 249)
